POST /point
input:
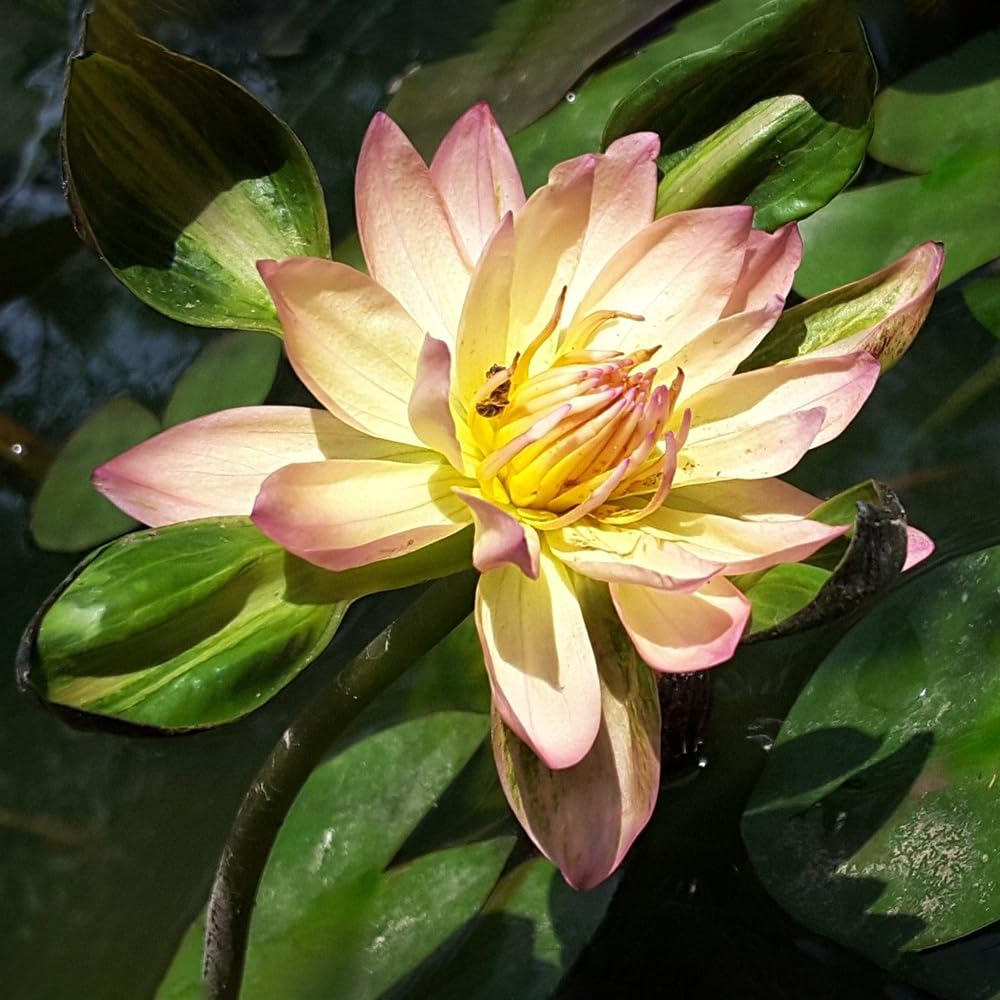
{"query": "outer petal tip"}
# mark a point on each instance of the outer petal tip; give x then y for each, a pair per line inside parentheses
(266, 268)
(919, 547)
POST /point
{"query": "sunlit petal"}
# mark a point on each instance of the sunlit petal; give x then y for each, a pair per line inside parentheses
(350, 342)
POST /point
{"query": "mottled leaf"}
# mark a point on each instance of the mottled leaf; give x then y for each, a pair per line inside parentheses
(182, 180)
(875, 820)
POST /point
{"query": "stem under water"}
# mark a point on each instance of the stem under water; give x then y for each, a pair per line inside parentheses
(442, 606)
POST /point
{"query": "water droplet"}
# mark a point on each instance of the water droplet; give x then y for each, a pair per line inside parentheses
(703, 761)
(17, 449)
(571, 97)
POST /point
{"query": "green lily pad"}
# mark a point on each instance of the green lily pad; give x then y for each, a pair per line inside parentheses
(182, 180)
(875, 820)
(983, 299)
(69, 515)
(532, 54)
(949, 104)
(786, 160)
(526, 937)
(334, 917)
(576, 125)
(237, 369)
(865, 229)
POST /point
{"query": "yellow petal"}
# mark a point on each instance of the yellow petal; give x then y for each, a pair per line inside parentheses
(349, 341)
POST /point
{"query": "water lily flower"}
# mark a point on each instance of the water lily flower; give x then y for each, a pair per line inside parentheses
(558, 371)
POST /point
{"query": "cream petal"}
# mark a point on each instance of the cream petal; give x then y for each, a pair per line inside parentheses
(839, 385)
(478, 179)
(406, 231)
(629, 555)
(341, 514)
(550, 230)
(768, 269)
(215, 465)
(740, 546)
(678, 273)
(683, 632)
(718, 350)
(350, 342)
(749, 499)
(483, 330)
(584, 818)
(540, 660)
(758, 452)
(430, 407)
(501, 539)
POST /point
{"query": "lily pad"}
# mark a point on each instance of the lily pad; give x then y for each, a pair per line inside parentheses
(237, 369)
(875, 820)
(69, 514)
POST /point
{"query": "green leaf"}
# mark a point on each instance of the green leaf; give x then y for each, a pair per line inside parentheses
(576, 125)
(531, 56)
(182, 180)
(949, 104)
(237, 369)
(333, 919)
(983, 299)
(881, 314)
(786, 160)
(197, 623)
(875, 820)
(69, 515)
(527, 936)
(863, 230)
(873, 558)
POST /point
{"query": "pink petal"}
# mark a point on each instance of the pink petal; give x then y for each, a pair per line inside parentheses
(918, 547)
(629, 555)
(430, 409)
(766, 449)
(839, 385)
(540, 660)
(678, 273)
(341, 514)
(406, 231)
(350, 342)
(477, 177)
(485, 323)
(621, 204)
(585, 818)
(501, 539)
(768, 269)
(737, 545)
(683, 632)
(215, 465)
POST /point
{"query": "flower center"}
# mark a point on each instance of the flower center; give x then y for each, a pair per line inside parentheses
(571, 438)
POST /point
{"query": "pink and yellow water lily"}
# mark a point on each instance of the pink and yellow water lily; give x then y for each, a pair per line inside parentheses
(559, 371)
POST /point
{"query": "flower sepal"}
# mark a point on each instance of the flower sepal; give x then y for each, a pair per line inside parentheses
(845, 574)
